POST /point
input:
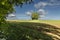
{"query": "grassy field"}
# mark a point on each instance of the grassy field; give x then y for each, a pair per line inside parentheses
(47, 29)
(51, 22)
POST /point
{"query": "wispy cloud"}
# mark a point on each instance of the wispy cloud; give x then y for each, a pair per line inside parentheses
(42, 4)
(29, 12)
(42, 12)
(11, 15)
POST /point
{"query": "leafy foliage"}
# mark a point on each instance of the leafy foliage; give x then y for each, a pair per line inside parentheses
(7, 6)
(35, 16)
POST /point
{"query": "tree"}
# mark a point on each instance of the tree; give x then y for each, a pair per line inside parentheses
(35, 16)
(7, 6)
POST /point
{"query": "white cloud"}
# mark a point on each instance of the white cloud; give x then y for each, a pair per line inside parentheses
(54, 0)
(11, 15)
(29, 12)
(54, 3)
(42, 12)
(41, 16)
(40, 5)
(47, 3)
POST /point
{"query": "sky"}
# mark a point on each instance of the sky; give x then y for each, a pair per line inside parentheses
(50, 10)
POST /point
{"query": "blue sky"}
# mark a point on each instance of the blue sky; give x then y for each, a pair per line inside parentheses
(51, 7)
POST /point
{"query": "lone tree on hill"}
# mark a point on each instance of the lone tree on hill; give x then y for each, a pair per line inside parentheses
(35, 16)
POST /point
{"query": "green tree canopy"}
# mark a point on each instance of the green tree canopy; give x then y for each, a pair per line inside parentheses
(7, 6)
(35, 16)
